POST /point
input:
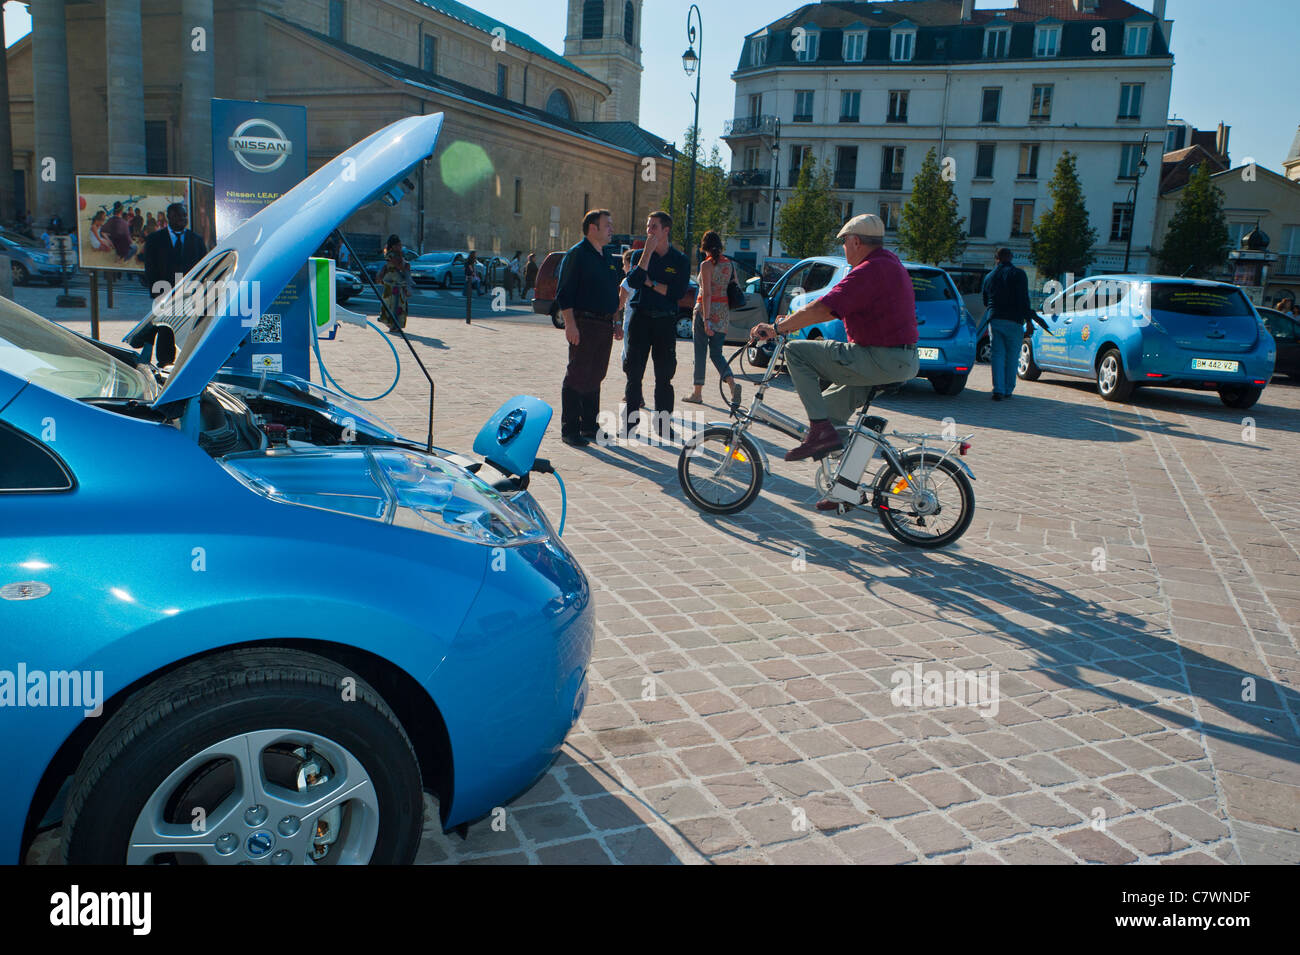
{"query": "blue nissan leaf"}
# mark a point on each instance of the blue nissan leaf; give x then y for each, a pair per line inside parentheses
(243, 620)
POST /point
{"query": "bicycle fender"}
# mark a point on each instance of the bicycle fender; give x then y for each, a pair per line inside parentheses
(762, 454)
(958, 461)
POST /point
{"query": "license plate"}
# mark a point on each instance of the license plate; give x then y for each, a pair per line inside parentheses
(1213, 364)
(927, 354)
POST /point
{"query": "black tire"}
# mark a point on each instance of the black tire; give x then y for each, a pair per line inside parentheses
(685, 327)
(20, 274)
(223, 696)
(897, 522)
(757, 356)
(984, 352)
(342, 297)
(1240, 397)
(1112, 383)
(556, 318)
(1026, 368)
(691, 467)
(446, 280)
(949, 385)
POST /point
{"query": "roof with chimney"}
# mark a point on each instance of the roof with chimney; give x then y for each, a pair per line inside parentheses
(1176, 168)
(942, 35)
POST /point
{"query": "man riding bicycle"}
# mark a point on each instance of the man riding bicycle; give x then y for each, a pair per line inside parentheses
(878, 307)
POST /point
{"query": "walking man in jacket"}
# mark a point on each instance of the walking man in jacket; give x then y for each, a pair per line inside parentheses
(1006, 294)
(659, 278)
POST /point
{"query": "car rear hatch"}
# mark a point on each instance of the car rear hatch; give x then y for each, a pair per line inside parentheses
(938, 308)
(1204, 318)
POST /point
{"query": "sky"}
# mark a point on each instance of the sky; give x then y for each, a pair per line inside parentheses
(1233, 62)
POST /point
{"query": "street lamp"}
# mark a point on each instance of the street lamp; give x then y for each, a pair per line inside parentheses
(776, 181)
(1132, 200)
(691, 64)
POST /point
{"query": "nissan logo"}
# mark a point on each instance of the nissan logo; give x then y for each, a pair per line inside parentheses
(263, 150)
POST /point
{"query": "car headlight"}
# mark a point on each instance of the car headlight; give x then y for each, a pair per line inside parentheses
(391, 486)
(40, 258)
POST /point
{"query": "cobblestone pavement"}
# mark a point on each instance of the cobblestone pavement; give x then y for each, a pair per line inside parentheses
(1131, 576)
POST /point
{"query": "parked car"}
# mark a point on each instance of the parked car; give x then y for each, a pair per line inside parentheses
(444, 270)
(946, 346)
(1130, 331)
(1285, 330)
(346, 285)
(373, 266)
(29, 259)
(297, 619)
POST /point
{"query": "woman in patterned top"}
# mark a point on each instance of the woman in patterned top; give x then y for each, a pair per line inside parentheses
(712, 315)
(395, 280)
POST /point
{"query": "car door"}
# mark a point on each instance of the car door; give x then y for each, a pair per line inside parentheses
(742, 319)
(790, 285)
(1286, 335)
(1050, 344)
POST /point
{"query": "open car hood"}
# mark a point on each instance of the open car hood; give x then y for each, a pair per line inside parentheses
(272, 246)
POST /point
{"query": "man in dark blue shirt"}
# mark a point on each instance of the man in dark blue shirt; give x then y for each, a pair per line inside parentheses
(659, 278)
(587, 297)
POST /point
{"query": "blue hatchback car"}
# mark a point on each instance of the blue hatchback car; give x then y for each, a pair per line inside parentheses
(243, 619)
(946, 346)
(1130, 331)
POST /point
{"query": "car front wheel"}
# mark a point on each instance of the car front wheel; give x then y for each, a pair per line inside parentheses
(258, 755)
(556, 318)
(984, 352)
(20, 274)
(1026, 369)
(1112, 383)
(1239, 396)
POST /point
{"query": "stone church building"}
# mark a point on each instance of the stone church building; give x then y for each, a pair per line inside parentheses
(531, 139)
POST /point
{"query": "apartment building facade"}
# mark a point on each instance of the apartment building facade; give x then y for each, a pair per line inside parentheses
(1000, 94)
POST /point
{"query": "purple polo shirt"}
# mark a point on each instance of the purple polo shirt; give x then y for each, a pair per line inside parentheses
(876, 302)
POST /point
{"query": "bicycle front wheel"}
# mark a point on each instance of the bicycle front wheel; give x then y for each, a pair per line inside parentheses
(929, 506)
(721, 472)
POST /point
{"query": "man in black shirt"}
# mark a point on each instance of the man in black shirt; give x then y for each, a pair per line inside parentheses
(171, 252)
(587, 296)
(659, 278)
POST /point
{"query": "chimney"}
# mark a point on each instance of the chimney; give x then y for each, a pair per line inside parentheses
(967, 10)
(1158, 9)
(1221, 142)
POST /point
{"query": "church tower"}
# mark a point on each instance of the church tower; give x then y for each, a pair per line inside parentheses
(604, 39)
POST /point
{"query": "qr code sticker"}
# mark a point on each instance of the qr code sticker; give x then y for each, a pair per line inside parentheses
(268, 328)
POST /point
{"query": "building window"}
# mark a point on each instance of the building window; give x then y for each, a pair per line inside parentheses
(991, 105)
(1022, 217)
(586, 202)
(979, 218)
(593, 19)
(798, 156)
(758, 51)
(846, 167)
(902, 45)
(850, 101)
(846, 210)
(984, 153)
(1028, 161)
(755, 106)
(803, 106)
(519, 197)
(557, 104)
(1121, 222)
(1130, 101)
(891, 167)
(1040, 110)
(629, 23)
(155, 147)
(747, 210)
(751, 157)
(996, 42)
(1047, 41)
(430, 62)
(890, 212)
(809, 52)
(855, 47)
(897, 107)
(1130, 154)
(1137, 39)
(503, 81)
(337, 17)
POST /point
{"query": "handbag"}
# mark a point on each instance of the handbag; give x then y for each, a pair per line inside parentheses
(735, 294)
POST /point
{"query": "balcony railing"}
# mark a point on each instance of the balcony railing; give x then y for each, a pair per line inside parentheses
(750, 126)
(846, 178)
(891, 180)
(751, 178)
(1287, 265)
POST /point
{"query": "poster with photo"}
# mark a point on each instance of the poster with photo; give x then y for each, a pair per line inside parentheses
(115, 214)
(203, 220)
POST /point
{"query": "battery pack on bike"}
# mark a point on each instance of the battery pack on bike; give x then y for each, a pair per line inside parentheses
(858, 454)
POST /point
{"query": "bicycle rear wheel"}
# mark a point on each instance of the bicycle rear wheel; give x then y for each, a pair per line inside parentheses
(720, 472)
(931, 506)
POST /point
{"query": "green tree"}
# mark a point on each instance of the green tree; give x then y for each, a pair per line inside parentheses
(930, 230)
(809, 219)
(713, 206)
(1196, 242)
(1063, 241)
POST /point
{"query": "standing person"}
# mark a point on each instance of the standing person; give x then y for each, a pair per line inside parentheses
(1006, 293)
(471, 282)
(513, 279)
(97, 242)
(530, 276)
(171, 252)
(712, 313)
(587, 296)
(625, 305)
(395, 281)
(659, 277)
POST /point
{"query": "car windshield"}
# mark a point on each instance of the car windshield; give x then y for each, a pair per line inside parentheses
(434, 258)
(930, 285)
(1186, 298)
(22, 240)
(51, 356)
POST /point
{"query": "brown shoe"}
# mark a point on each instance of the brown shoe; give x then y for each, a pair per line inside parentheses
(822, 439)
